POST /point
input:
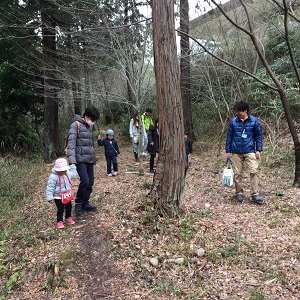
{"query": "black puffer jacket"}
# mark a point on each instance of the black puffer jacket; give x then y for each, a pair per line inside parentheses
(153, 136)
(80, 142)
(111, 146)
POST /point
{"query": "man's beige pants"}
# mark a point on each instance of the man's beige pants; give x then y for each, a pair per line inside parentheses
(250, 160)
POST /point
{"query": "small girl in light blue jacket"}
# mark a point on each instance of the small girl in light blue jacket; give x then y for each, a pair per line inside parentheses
(56, 188)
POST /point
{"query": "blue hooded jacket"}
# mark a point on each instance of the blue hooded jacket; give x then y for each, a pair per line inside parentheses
(244, 137)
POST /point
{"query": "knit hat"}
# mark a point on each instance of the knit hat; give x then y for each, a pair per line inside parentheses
(61, 164)
(110, 132)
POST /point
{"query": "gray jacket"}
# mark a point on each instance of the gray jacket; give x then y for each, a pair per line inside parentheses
(53, 188)
(80, 142)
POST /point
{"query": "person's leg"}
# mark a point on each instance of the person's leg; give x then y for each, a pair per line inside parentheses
(237, 165)
(82, 171)
(86, 206)
(187, 159)
(252, 163)
(152, 157)
(84, 182)
(108, 164)
(68, 208)
(135, 151)
(115, 163)
(60, 210)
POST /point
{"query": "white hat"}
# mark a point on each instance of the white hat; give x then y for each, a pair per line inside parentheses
(61, 164)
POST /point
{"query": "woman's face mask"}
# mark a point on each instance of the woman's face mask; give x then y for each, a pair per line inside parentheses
(91, 123)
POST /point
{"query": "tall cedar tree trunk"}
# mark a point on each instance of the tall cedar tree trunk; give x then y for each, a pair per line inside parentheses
(51, 132)
(168, 182)
(74, 76)
(127, 71)
(185, 76)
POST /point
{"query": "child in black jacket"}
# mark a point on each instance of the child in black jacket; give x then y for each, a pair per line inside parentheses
(111, 152)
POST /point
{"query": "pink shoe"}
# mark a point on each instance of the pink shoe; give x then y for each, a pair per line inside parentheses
(70, 221)
(114, 173)
(60, 225)
(109, 175)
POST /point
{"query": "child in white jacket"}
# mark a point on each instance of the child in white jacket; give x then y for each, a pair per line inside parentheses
(59, 182)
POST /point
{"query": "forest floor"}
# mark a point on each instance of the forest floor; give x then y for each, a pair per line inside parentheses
(251, 251)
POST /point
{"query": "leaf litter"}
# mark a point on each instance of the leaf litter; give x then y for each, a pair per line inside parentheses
(250, 251)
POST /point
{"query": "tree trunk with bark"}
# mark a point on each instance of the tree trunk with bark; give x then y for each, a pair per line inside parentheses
(168, 182)
(51, 132)
(127, 69)
(185, 76)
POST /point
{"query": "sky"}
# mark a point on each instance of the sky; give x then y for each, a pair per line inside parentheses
(197, 7)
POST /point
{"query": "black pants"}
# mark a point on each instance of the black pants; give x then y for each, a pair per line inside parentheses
(152, 157)
(86, 175)
(111, 160)
(61, 208)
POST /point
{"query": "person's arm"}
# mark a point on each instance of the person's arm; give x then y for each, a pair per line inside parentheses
(51, 185)
(229, 139)
(72, 138)
(131, 128)
(100, 142)
(72, 173)
(117, 147)
(150, 137)
(258, 139)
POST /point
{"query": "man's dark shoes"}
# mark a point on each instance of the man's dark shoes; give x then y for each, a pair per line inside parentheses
(78, 209)
(89, 207)
(258, 199)
(151, 171)
(239, 197)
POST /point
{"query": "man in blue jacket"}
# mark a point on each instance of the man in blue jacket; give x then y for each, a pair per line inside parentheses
(244, 145)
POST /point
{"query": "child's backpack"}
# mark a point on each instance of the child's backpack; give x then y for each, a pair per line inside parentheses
(67, 138)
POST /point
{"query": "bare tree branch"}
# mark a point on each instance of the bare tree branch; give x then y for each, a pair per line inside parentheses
(288, 42)
(228, 63)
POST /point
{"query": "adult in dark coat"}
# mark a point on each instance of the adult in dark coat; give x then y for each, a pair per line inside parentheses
(81, 152)
(153, 143)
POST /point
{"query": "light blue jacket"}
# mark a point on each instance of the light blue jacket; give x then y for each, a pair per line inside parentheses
(134, 131)
(53, 188)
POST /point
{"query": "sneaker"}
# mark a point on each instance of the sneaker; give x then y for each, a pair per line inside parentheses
(70, 221)
(114, 173)
(60, 225)
(258, 199)
(78, 209)
(109, 175)
(145, 154)
(89, 207)
(151, 171)
(239, 197)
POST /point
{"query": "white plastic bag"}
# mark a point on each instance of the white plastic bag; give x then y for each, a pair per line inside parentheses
(228, 175)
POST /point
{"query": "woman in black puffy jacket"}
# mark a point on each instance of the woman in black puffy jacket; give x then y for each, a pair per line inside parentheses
(153, 143)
